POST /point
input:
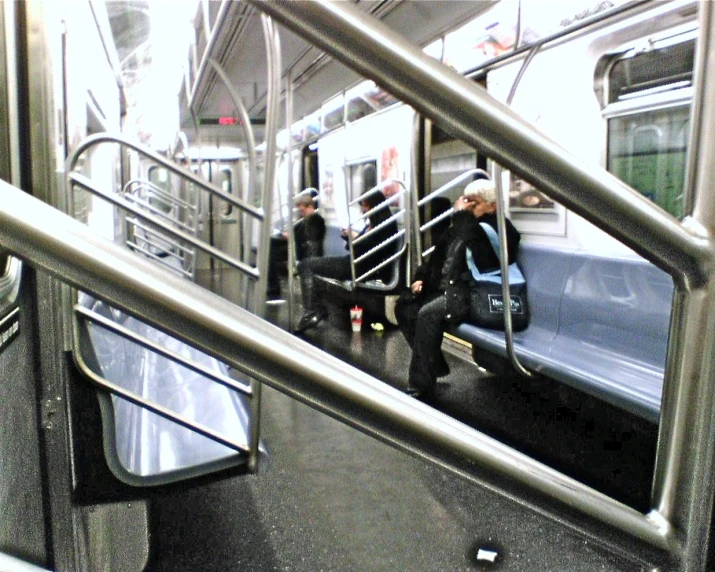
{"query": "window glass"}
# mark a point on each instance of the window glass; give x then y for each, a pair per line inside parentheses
(647, 150)
(654, 71)
(649, 118)
(224, 181)
(160, 199)
(366, 98)
(363, 177)
(333, 113)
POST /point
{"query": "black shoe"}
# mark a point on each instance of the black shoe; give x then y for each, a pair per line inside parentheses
(307, 321)
(442, 368)
(419, 393)
(273, 295)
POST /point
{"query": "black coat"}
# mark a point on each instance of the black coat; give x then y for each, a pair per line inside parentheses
(446, 271)
(309, 233)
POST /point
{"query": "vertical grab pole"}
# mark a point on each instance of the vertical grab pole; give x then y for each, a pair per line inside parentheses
(251, 150)
(501, 227)
(259, 295)
(291, 192)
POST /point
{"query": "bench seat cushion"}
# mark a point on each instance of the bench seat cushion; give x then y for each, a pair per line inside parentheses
(597, 324)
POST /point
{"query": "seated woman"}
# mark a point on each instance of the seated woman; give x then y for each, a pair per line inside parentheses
(338, 267)
(440, 290)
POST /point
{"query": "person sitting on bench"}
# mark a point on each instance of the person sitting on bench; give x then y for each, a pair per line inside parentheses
(308, 233)
(339, 267)
(439, 294)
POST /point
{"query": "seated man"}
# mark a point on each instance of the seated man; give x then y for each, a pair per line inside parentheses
(339, 267)
(440, 290)
(308, 234)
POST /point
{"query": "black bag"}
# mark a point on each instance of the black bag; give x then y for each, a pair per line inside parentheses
(486, 305)
(486, 300)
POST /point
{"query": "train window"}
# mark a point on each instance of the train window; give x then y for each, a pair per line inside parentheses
(361, 178)
(159, 176)
(652, 71)
(333, 113)
(365, 99)
(648, 112)
(647, 150)
(450, 158)
(226, 184)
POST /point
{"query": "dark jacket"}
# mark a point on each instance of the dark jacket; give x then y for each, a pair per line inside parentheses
(309, 235)
(446, 271)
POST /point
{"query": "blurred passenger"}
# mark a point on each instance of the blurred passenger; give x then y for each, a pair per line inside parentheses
(338, 267)
(440, 290)
(308, 234)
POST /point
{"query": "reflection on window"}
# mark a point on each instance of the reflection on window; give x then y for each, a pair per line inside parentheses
(648, 129)
(362, 178)
(647, 150)
(224, 181)
(160, 197)
(333, 113)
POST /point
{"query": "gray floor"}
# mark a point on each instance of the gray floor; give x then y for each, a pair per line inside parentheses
(330, 498)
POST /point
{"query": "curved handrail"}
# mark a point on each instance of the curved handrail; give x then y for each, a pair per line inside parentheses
(250, 138)
(448, 186)
(501, 228)
(395, 198)
(186, 174)
(83, 182)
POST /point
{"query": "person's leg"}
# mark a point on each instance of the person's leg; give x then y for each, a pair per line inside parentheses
(406, 314)
(427, 361)
(274, 283)
(329, 266)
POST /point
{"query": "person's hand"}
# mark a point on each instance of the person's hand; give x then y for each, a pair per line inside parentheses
(462, 203)
(417, 286)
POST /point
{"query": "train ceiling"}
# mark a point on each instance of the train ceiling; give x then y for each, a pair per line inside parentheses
(240, 50)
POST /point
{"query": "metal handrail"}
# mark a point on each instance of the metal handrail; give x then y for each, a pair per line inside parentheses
(250, 137)
(142, 184)
(405, 195)
(448, 186)
(683, 249)
(78, 256)
(86, 184)
(138, 339)
(185, 174)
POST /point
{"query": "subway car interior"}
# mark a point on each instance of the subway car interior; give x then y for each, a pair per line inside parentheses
(177, 396)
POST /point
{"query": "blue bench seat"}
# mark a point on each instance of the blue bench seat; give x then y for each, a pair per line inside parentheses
(597, 324)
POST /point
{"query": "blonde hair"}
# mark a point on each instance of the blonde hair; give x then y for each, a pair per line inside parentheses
(482, 189)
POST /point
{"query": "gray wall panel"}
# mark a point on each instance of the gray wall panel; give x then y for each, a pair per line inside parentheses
(22, 526)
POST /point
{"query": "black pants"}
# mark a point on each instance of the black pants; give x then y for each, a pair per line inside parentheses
(277, 260)
(337, 267)
(423, 323)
